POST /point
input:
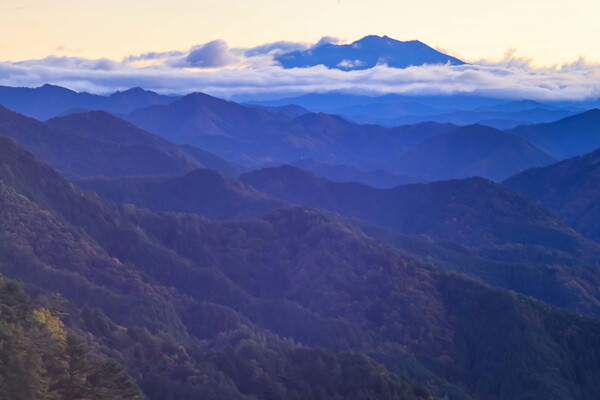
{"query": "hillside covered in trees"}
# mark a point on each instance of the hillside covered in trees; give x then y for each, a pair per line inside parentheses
(41, 360)
(569, 188)
(295, 305)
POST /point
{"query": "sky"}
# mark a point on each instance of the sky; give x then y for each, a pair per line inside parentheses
(548, 31)
(531, 48)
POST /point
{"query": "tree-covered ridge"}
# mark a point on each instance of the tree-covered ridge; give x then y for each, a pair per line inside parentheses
(531, 251)
(151, 308)
(99, 144)
(474, 212)
(489, 231)
(569, 188)
(103, 127)
(202, 191)
(40, 360)
(170, 294)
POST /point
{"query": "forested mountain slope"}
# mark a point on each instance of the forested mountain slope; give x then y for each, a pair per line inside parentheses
(99, 144)
(569, 188)
(41, 359)
(505, 238)
(198, 310)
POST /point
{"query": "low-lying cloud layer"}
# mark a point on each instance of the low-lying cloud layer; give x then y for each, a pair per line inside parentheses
(222, 71)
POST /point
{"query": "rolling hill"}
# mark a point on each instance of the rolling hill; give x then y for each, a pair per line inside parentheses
(473, 212)
(569, 137)
(49, 101)
(485, 230)
(98, 144)
(345, 173)
(474, 150)
(519, 246)
(569, 188)
(202, 191)
(250, 135)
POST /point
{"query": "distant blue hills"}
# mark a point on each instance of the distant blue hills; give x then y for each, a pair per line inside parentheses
(367, 53)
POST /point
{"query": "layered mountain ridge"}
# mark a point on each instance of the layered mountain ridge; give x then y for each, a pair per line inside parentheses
(205, 280)
(264, 278)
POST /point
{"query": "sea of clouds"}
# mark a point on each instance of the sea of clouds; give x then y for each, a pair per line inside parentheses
(217, 69)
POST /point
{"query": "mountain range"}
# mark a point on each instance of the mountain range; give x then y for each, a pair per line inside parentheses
(163, 270)
(568, 137)
(483, 218)
(569, 188)
(250, 135)
(213, 322)
(517, 246)
(257, 135)
(49, 101)
(474, 150)
(366, 53)
(395, 109)
(253, 136)
(202, 191)
(96, 143)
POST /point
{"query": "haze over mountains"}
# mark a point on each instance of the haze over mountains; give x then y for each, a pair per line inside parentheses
(393, 110)
(50, 100)
(258, 135)
(328, 246)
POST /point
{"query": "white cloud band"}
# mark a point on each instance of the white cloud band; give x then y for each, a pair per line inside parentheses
(216, 69)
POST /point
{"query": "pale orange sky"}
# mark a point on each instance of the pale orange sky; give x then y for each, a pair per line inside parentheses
(549, 31)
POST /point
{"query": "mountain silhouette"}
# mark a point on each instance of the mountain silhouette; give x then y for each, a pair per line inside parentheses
(569, 188)
(367, 53)
(474, 150)
(569, 137)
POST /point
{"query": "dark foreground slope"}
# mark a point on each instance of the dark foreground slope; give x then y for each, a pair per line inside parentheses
(199, 310)
(41, 359)
(569, 188)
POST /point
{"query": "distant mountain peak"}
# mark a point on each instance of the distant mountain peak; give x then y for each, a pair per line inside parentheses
(201, 95)
(366, 53)
(102, 119)
(386, 40)
(133, 90)
(54, 88)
